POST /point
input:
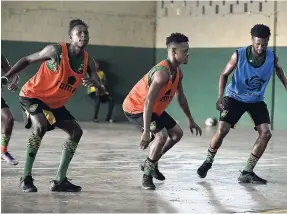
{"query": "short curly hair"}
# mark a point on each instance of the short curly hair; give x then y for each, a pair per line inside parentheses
(260, 31)
(176, 38)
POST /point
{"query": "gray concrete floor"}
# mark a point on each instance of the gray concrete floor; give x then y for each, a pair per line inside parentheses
(106, 166)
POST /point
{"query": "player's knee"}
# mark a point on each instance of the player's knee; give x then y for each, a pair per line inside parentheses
(40, 129)
(161, 136)
(222, 132)
(78, 132)
(9, 121)
(177, 135)
(266, 135)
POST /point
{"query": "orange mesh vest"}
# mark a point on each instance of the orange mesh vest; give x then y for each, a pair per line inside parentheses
(55, 88)
(134, 102)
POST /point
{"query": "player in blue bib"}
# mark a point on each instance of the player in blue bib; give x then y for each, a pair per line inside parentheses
(252, 69)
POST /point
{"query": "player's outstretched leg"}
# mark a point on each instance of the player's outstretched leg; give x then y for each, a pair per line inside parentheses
(39, 122)
(221, 132)
(7, 128)
(61, 183)
(153, 157)
(174, 136)
(247, 175)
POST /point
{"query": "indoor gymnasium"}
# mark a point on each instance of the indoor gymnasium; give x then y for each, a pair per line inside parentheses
(143, 106)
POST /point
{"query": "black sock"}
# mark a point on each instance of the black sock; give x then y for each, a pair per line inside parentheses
(152, 161)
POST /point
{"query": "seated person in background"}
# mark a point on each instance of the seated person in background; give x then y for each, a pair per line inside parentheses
(101, 98)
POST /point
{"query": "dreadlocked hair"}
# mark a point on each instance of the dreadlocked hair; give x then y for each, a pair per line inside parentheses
(76, 22)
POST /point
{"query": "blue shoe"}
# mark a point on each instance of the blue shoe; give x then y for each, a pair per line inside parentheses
(8, 158)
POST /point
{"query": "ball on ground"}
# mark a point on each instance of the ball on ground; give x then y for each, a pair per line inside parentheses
(211, 122)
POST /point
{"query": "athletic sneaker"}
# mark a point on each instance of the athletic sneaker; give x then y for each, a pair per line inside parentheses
(157, 174)
(147, 182)
(203, 169)
(250, 177)
(9, 158)
(27, 185)
(64, 186)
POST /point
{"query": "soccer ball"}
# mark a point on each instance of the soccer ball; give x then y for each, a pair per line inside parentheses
(211, 122)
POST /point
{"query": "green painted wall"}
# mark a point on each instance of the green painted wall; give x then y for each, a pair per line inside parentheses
(124, 66)
(201, 85)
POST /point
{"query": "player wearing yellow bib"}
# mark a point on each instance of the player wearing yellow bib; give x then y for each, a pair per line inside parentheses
(98, 99)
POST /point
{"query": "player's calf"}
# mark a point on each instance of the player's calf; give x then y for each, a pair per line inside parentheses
(175, 134)
(247, 175)
(216, 142)
(75, 133)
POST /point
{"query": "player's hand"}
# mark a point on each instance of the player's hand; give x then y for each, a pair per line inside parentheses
(219, 104)
(192, 126)
(13, 86)
(145, 140)
(102, 90)
(88, 82)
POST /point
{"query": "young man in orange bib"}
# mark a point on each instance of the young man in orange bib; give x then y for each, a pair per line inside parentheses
(146, 103)
(44, 96)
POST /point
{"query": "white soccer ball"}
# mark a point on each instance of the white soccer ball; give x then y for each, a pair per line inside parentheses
(211, 122)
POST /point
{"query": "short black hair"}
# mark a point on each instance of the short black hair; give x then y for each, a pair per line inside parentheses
(76, 22)
(260, 31)
(176, 38)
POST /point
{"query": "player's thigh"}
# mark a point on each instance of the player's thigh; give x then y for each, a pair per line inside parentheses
(3, 103)
(6, 115)
(233, 110)
(259, 114)
(173, 129)
(66, 121)
(33, 114)
(137, 119)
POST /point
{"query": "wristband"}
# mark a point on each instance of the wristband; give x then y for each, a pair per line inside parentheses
(5, 79)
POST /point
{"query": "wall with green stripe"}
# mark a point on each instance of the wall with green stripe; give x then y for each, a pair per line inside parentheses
(201, 85)
(124, 66)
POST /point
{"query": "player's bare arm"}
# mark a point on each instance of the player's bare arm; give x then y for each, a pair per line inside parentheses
(5, 66)
(159, 79)
(224, 77)
(94, 80)
(49, 52)
(182, 101)
(280, 73)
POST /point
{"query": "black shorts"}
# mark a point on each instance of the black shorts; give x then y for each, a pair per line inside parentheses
(32, 106)
(157, 122)
(234, 109)
(3, 104)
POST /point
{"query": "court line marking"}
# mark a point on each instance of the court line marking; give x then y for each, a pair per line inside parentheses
(193, 161)
(74, 167)
(274, 211)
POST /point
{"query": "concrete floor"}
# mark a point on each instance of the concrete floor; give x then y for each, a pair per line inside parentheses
(106, 166)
